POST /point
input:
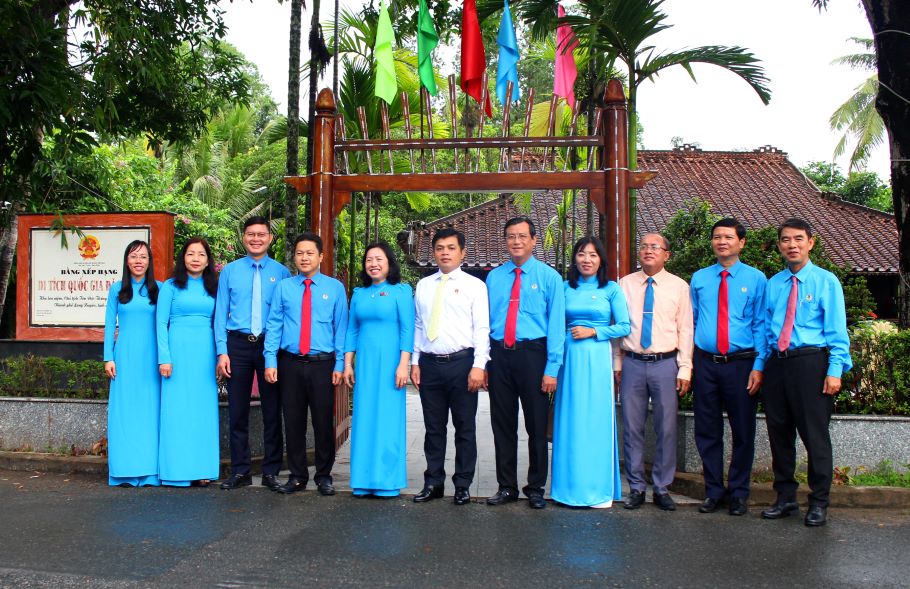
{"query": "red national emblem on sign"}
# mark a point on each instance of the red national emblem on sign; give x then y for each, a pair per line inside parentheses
(89, 247)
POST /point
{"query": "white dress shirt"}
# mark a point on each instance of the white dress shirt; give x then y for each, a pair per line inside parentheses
(465, 320)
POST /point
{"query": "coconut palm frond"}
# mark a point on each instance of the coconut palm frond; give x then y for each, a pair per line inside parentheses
(735, 59)
(861, 124)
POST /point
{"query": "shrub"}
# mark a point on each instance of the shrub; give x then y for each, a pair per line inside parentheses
(35, 376)
(879, 382)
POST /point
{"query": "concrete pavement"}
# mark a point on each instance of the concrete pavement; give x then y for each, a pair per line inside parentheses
(75, 531)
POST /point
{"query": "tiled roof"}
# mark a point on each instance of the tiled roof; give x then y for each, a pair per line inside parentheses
(759, 188)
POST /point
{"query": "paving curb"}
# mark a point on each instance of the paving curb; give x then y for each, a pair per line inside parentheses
(692, 485)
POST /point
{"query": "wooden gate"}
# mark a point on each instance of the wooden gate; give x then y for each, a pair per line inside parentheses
(606, 177)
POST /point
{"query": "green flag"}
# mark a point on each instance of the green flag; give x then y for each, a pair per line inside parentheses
(427, 40)
(386, 83)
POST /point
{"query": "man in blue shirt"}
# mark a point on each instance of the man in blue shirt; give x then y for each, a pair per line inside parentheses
(244, 295)
(527, 334)
(807, 350)
(304, 354)
(728, 304)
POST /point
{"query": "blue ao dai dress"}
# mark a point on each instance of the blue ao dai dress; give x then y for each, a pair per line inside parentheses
(585, 452)
(133, 402)
(380, 327)
(188, 447)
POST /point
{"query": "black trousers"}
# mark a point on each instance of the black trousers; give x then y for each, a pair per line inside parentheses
(516, 375)
(444, 388)
(308, 385)
(794, 403)
(718, 388)
(246, 360)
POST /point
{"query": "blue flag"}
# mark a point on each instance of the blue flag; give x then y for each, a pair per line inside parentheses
(508, 58)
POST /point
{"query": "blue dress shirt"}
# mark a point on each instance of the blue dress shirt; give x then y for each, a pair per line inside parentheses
(234, 305)
(745, 308)
(329, 319)
(541, 308)
(821, 318)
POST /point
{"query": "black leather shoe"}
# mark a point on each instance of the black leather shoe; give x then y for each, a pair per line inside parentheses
(739, 506)
(271, 481)
(503, 496)
(709, 505)
(664, 501)
(816, 516)
(428, 493)
(636, 499)
(536, 501)
(325, 487)
(780, 509)
(235, 481)
(462, 496)
(292, 486)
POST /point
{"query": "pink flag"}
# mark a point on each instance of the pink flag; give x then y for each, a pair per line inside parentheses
(566, 72)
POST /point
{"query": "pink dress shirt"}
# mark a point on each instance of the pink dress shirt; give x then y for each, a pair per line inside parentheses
(672, 327)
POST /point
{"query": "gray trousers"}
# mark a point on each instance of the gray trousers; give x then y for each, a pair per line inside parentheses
(642, 381)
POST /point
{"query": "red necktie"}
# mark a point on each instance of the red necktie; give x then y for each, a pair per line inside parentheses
(512, 315)
(783, 342)
(723, 316)
(305, 315)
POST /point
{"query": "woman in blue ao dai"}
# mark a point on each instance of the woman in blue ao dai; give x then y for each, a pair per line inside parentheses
(188, 448)
(380, 335)
(130, 362)
(585, 451)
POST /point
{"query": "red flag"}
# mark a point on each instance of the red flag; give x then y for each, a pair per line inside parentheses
(473, 58)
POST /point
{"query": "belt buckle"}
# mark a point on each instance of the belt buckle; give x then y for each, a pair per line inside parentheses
(252, 338)
(720, 358)
(506, 346)
(783, 354)
(649, 357)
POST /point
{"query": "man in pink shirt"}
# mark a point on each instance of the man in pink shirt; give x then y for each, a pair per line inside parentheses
(653, 362)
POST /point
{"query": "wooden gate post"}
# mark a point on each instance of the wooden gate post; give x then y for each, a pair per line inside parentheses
(322, 193)
(616, 163)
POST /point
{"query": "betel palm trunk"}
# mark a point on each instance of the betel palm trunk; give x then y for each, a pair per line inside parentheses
(292, 164)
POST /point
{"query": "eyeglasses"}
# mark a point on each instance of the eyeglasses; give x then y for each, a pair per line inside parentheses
(256, 235)
(650, 247)
(518, 237)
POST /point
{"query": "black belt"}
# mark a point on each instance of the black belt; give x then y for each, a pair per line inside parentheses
(652, 357)
(253, 339)
(308, 358)
(466, 353)
(520, 345)
(727, 358)
(799, 352)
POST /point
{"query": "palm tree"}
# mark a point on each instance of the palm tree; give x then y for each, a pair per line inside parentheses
(292, 163)
(857, 116)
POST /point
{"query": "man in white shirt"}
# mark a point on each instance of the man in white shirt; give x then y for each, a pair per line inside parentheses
(451, 350)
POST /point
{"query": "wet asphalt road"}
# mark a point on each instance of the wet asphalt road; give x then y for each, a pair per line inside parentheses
(74, 531)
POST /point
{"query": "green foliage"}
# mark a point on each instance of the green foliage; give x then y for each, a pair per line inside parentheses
(863, 188)
(866, 188)
(689, 233)
(883, 474)
(827, 176)
(879, 382)
(156, 69)
(34, 376)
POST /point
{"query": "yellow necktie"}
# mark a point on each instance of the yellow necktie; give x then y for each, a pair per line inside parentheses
(436, 313)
